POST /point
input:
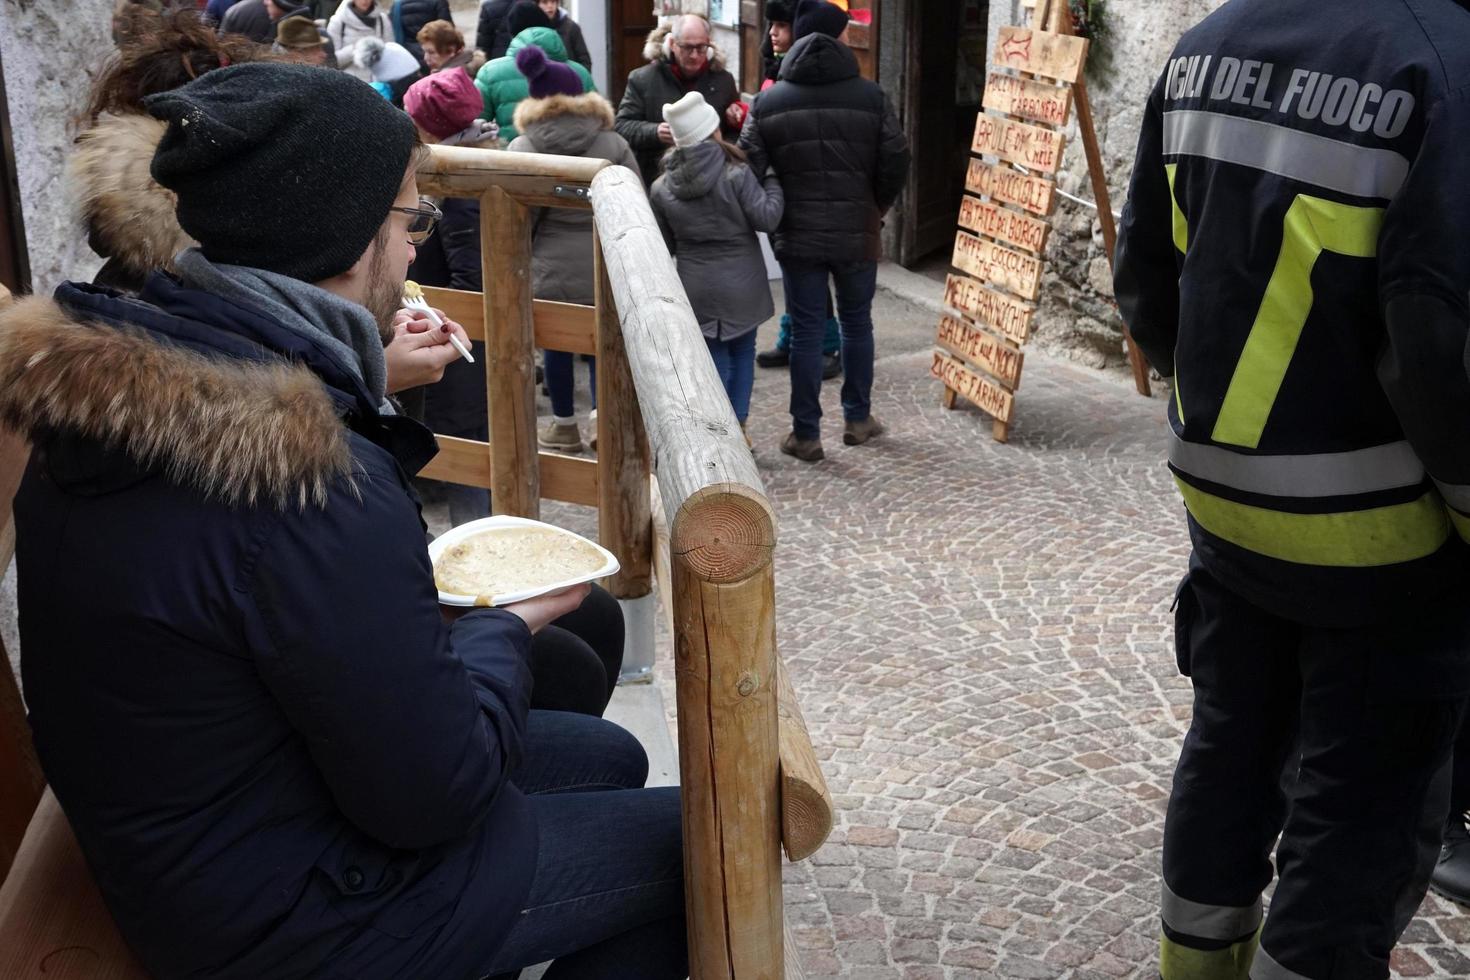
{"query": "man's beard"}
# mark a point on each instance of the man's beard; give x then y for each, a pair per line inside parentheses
(384, 296)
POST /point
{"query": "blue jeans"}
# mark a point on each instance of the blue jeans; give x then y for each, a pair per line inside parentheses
(806, 300)
(561, 382)
(735, 363)
(607, 902)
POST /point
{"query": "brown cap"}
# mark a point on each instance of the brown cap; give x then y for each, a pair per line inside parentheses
(298, 32)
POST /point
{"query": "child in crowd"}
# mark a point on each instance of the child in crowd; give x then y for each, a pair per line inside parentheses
(710, 205)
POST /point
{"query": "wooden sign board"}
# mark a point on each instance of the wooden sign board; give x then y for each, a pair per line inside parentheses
(1040, 101)
(1033, 147)
(1035, 194)
(1007, 268)
(1003, 313)
(982, 349)
(959, 378)
(1003, 223)
(977, 353)
(1058, 56)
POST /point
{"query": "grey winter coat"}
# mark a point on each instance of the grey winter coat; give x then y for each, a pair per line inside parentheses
(561, 248)
(709, 210)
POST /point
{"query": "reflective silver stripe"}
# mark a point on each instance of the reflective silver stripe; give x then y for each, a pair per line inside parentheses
(1457, 495)
(1266, 968)
(1362, 171)
(1384, 467)
(1222, 922)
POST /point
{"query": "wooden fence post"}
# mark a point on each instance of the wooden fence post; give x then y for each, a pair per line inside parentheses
(515, 472)
(622, 450)
(725, 662)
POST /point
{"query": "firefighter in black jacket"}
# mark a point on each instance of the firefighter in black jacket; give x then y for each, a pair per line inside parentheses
(1293, 255)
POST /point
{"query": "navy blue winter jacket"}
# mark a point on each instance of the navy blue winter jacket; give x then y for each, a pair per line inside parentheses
(278, 759)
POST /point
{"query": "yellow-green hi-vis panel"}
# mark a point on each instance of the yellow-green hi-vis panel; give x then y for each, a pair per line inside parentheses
(1179, 962)
(1181, 242)
(1312, 226)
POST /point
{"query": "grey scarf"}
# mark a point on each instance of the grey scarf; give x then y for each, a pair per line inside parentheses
(347, 332)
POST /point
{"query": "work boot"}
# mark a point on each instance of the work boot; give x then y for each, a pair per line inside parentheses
(560, 437)
(592, 428)
(779, 355)
(831, 366)
(1451, 877)
(857, 433)
(806, 450)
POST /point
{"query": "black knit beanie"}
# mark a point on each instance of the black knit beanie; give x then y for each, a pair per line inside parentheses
(526, 14)
(778, 10)
(818, 17)
(287, 168)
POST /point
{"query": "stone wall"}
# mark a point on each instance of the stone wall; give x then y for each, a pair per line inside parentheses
(51, 51)
(1077, 318)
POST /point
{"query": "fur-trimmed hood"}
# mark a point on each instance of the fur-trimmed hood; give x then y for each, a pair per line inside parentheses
(130, 217)
(243, 432)
(653, 48)
(564, 124)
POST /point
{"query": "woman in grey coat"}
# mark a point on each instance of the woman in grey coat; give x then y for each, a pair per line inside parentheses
(709, 205)
(558, 117)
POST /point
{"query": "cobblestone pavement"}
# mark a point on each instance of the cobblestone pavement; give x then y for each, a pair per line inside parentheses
(980, 637)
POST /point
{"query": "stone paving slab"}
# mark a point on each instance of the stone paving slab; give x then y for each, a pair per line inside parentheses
(980, 637)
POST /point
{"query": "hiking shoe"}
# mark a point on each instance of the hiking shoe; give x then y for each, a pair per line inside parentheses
(1451, 876)
(831, 366)
(775, 357)
(560, 437)
(806, 450)
(857, 433)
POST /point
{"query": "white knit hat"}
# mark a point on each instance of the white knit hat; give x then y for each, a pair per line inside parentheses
(691, 119)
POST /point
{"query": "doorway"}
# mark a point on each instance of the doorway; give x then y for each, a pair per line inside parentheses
(933, 67)
(628, 26)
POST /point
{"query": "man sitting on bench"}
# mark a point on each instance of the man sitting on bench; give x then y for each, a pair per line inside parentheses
(279, 757)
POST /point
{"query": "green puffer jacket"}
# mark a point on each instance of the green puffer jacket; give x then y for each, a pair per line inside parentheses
(502, 86)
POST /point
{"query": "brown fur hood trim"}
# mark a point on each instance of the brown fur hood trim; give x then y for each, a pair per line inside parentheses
(653, 47)
(241, 432)
(129, 216)
(590, 104)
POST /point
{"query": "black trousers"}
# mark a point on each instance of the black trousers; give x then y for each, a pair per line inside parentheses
(576, 660)
(1336, 740)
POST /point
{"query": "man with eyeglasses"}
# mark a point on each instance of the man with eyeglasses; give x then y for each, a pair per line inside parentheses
(681, 60)
(280, 756)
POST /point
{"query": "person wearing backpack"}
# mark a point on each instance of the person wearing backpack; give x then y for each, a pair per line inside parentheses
(709, 205)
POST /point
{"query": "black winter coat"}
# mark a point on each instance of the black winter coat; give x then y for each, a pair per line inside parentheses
(278, 759)
(571, 36)
(492, 34)
(834, 141)
(455, 405)
(642, 109)
(413, 15)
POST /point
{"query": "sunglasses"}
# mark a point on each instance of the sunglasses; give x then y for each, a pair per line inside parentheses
(421, 220)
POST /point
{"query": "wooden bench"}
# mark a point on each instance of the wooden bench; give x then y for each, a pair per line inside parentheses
(52, 920)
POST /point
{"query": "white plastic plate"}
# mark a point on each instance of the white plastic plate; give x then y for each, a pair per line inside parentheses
(458, 534)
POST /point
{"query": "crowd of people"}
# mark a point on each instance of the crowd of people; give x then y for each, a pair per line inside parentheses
(820, 200)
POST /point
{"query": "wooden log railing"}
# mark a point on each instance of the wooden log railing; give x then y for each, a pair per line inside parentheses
(750, 777)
